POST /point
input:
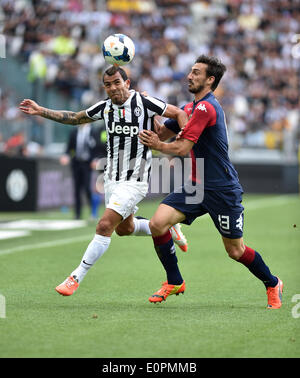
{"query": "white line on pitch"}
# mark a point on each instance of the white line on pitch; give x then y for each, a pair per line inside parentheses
(54, 243)
(252, 205)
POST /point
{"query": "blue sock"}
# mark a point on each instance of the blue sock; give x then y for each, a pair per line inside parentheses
(254, 262)
(262, 271)
(166, 252)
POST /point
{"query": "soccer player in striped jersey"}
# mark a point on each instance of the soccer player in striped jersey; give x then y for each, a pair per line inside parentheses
(204, 137)
(126, 113)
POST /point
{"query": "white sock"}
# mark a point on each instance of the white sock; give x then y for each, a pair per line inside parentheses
(94, 251)
(141, 227)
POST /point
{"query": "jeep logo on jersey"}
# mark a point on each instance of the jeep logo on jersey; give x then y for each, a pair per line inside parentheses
(127, 129)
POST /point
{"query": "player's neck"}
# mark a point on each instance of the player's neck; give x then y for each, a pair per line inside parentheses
(201, 94)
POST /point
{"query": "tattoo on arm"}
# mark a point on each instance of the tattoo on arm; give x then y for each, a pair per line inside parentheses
(66, 117)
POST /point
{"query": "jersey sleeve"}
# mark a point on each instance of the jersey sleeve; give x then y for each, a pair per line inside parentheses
(172, 124)
(96, 111)
(204, 116)
(154, 106)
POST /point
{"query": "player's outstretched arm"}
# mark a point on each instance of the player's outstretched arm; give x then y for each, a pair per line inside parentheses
(30, 107)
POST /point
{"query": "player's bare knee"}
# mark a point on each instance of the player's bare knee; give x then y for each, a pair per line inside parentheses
(157, 227)
(153, 226)
(104, 227)
(234, 252)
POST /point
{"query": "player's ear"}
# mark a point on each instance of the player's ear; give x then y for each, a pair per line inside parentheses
(210, 80)
(127, 83)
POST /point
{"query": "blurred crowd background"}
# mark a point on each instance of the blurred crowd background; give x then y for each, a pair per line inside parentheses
(53, 55)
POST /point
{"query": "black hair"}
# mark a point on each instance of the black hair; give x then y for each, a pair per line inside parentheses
(214, 68)
(113, 70)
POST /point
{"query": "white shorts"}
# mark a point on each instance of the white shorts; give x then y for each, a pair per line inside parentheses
(123, 197)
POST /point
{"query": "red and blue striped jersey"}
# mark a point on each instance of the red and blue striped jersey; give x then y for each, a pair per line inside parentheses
(208, 130)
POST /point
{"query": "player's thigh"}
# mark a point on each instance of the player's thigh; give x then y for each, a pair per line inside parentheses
(165, 217)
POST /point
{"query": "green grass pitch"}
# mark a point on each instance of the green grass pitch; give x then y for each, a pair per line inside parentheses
(222, 313)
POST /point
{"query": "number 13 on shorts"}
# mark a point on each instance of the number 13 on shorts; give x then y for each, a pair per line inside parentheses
(231, 225)
(224, 223)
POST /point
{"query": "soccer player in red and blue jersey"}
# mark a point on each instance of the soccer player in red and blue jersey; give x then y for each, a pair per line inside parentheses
(204, 137)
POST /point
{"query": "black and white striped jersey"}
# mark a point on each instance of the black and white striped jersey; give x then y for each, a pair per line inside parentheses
(127, 157)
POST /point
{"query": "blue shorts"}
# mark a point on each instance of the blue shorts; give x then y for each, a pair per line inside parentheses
(224, 208)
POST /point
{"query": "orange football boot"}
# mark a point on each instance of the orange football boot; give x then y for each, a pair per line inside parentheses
(165, 291)
(178, 237)
(68, 286)
(275, 295)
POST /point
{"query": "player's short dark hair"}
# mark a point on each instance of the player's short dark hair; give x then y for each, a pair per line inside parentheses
(113, 70)
(214, 68)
